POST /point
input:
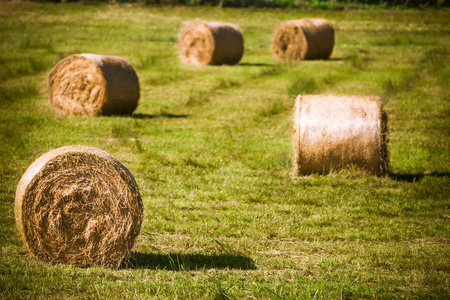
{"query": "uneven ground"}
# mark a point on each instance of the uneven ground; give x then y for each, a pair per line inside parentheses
(210, 148)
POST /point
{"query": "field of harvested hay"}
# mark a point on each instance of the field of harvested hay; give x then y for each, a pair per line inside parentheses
(211, 150)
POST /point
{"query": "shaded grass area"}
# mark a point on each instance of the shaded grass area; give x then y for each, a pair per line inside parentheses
(210, 148)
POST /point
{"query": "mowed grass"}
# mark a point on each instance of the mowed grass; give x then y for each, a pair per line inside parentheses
(210, 148)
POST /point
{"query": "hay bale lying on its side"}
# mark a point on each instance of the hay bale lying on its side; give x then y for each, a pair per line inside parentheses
(92, 84)
(303, 39)
(79, 205)
(335, 131)
(213, 43)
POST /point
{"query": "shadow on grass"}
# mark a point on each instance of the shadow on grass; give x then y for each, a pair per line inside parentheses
(187, 262)
(337, 58)
(255, 65)
(416, 177)
(161, 115)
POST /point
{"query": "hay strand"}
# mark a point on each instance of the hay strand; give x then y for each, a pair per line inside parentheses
(92, 84)
(211, 43)
(78, 205)
(303, 39)
(332, 132)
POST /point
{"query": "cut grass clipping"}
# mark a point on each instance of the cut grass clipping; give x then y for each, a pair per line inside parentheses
(213, 43)
(303, 39)
(78, 205)
(92, 84)
(331, 132)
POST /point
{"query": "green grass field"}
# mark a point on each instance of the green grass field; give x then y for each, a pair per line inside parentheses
(210, 148)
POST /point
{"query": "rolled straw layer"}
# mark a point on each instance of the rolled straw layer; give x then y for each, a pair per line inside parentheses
(92, 84)
(213, 43)
(303, 39)
(331, 132)
(78, 205)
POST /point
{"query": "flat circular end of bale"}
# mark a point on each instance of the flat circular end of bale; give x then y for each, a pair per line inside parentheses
(211, 43)
(289, 42)
(78, 205)
(196, 44)
(311, 38)
(92, 84)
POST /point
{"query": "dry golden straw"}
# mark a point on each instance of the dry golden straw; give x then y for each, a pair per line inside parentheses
(78, 205)
(332, 132)
(303, 39)
(213, 43)
(92, 84)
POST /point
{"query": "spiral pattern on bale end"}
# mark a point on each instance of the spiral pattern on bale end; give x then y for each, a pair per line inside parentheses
(211, 43)
(92, 84)
(303, 39)
(332, 132)
(78, 205)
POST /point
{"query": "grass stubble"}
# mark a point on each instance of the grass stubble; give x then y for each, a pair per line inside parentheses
(210, 148)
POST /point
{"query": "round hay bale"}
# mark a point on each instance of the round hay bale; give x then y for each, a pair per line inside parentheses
(92, 84)
(303, 39)
(78, 205)
(332, 132)
(213, 43)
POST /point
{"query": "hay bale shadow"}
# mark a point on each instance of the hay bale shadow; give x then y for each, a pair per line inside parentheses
(416, 177)
(160, 115)
(188, 262)
(246, 64)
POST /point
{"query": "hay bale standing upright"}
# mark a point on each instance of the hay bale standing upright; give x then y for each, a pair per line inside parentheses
(303, 39)
(211, 43)
(78, 205)
(331, 132)
(92, 84)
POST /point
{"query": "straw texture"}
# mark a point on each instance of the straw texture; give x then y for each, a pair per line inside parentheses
(92, 84)
(331, 132)
(78, 205)
(303, 39)
(213, 43)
